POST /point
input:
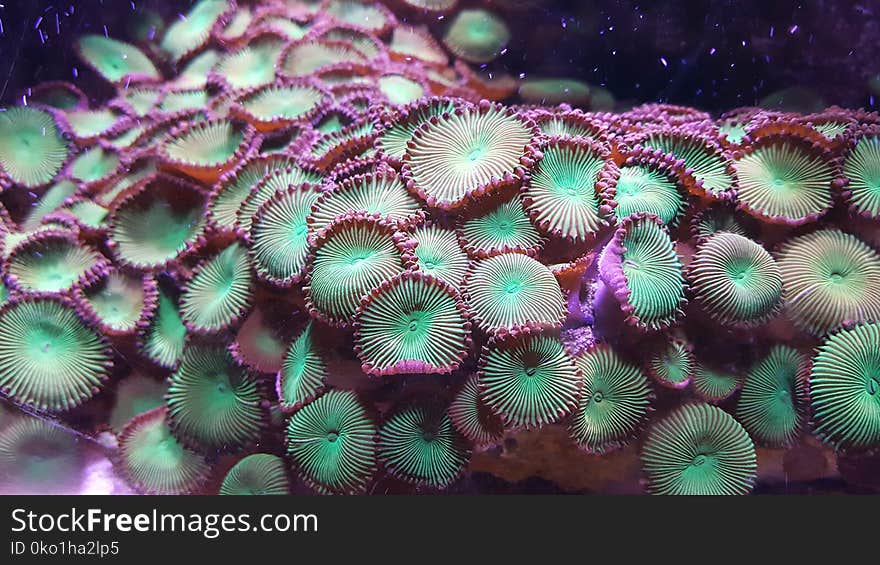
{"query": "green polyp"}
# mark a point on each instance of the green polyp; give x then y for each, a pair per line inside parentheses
(167, 334)
(163, 448)
(413, 320)
(512, 289)
(783, 179)
(733, 131)
(735, 279)
(708, 165)
(563, 191)
(213, 401)
(205, 145)
(115, 60)
(219, 292)
(831, 129)
(153, 459)
(185, 100)
(614, 400)
(642, 189)
(672, 365)
(195, 74)
(718, 219)
(416, 43)
(325, 145)
(477, 36)
(287, 102)
(280, 180)
(154, 233)
(127, 138)
(385, 196)
(555, 91)
(358, 13)
(238, 24)
(530, 383)
(46, 343)
(280, 235)
(172, 232)
(358, 259)
(653, 274)
(829, 277)
(400, 90)
(89, 213)
(232, 197)
(699, 450)
(94, 164)
(306, 58)
(714, 385)
(560, 126)
(440, 157)
(257, 474)
(740, 272)
(39, 462)
(676, 372)
(54, 197)
(51, 265)
(188, 33)
(330, 124)
(31, 149)
(772, 401)
(503, 228)
(844, 384)
(118, 301)
(302, 372)
(331, 442)
(91, 123)
(52, 361)
(395, 138)
(862, 168)
(251, 66)
(286, 26)
(348, 263)
(142, 100)
(419, 445)
(439, 254)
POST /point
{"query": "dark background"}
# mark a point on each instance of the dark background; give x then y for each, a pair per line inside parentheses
(718, 54)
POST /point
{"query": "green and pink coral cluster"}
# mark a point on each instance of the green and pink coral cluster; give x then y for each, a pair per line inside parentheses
(308, 246)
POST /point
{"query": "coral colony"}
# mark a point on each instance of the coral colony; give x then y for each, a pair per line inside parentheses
(301, 245)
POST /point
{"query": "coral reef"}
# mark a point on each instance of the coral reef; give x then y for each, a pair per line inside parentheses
(308, 247)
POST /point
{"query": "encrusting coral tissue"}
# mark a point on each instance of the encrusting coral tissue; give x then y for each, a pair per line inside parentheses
(304, 247)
